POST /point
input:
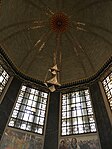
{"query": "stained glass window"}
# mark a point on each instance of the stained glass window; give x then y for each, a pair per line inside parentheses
(107, 84)
(4, 77)
(77, 113)
(30, 110)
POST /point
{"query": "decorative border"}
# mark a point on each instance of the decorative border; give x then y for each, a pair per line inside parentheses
(25, 78)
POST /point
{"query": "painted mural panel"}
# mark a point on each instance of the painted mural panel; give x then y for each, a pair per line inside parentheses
(85, 142)
(13, 139)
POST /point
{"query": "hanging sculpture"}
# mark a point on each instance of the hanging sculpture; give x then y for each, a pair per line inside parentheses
(54, 80)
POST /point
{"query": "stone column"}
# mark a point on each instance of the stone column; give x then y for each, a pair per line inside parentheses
(102, 119)
(52, 126)
(7, 103)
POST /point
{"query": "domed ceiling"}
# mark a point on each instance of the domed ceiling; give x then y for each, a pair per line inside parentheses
(74, 34)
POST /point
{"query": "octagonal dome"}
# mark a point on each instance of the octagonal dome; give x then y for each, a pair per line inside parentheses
(75, 35)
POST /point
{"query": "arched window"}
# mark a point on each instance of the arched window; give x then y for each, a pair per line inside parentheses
(4, 77)
(30, 110)
(107, 84)
(77, 113)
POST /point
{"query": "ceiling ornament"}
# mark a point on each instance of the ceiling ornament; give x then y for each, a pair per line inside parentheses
(59, 22)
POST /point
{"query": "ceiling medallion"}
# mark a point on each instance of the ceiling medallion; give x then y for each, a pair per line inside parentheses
(59, 22)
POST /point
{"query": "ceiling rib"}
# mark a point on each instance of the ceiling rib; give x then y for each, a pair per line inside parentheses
(76, 53)
(95, 34)
(83, 51)
(84, 29)
(87, 6)
(34, 57)
(92, 4)
(43, 39)
(86, 24)
(27, 22)
(47, 7)
(16, 33)
(59, 4)
(44, 9)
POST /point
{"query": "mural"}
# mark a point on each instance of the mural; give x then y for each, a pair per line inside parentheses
(72, 143)
(14, 139)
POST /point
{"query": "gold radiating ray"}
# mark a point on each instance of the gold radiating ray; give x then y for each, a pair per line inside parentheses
(57, 49)
(38, 24)
(41, 42)
(27, 22)
(87, 24)
(26, 28)
(58, 55)
(73, 43)
(42, 39)
(84, 51)
(40, 47)
(86, 29)
(75, 48)
(47, 8)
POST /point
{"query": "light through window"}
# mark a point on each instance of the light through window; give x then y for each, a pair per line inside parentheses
(107, 84)
(4, 77)
(77, 113)
(30, 109)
